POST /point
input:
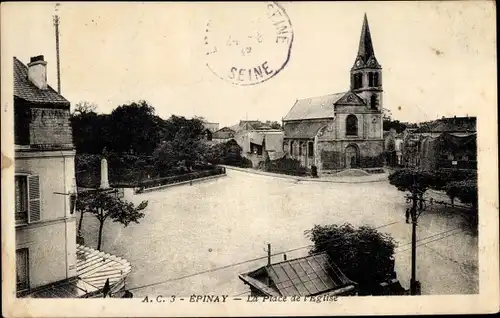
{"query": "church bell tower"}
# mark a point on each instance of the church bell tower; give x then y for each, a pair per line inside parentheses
(366, 73)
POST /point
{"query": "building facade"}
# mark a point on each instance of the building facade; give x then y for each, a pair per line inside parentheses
(342, 130)
(44, 180)
(49, 263)
(447, 143)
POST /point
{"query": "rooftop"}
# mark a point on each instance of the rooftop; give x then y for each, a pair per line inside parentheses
(305, 276)
(314, 107)
(93, 269)
(450, 124)
(23, 88)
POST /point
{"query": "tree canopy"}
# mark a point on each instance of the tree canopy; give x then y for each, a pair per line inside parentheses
(363, 254)
(412, 180)
(182, 145)
(104, 206)
(131, 128)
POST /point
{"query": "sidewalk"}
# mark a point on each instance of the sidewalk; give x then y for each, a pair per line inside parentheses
(379, 177)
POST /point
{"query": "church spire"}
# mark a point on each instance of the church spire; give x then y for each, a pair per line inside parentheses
(366, 54)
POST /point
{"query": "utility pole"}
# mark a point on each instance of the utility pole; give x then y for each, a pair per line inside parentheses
(417, 203)
(56, 25)
(413, 212)
(268, 261)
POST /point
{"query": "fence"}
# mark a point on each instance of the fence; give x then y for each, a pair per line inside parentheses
(146, 184)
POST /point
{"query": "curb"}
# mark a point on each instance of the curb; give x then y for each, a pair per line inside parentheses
(181, 183)
(275, 175)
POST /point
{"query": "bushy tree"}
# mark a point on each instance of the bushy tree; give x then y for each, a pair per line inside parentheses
(416, 181)
(363, 254)
(129, 128)
(134, 128)
(466, 192)
(84, 107)
(106, 206)
(90, 130)
(183, 145)
(228, 153)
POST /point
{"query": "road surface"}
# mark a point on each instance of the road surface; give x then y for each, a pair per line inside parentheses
(200, 228)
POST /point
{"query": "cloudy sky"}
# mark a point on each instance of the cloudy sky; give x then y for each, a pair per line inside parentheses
(438, 58)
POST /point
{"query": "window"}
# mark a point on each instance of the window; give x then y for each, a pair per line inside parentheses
(357, 80)
(300, 149)
(351, 125)
(291, 148)
(22, 272)
(209, 135)
(376, 80)
(310, 150)
(370, 79)
(27, 191)
(373, 102)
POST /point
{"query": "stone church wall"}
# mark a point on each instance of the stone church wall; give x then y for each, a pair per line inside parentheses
(332, 153)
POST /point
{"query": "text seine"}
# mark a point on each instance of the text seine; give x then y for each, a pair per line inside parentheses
(255, 73)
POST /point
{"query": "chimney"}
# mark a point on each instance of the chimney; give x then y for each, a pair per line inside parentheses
(37, 72)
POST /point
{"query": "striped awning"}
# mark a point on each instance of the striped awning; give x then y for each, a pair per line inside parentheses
(95, 267)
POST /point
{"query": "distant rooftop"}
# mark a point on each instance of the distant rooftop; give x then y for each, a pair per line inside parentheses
(449, 124)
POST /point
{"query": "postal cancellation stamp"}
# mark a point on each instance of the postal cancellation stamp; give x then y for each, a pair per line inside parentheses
(250, 44)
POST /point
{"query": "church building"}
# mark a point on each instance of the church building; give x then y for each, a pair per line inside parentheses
(341, 130)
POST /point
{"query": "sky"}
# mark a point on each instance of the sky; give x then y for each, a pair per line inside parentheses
(438, 58)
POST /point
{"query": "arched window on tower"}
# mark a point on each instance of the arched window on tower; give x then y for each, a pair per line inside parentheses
(357, 80)
(376, 80)
(370, 79)
(351, 125)
(374, 102)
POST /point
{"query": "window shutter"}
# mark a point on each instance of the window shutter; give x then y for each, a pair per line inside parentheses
(34, 204)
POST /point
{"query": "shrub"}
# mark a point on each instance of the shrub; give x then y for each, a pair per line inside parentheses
(245, 163)
(286, 166)
(372, 162)
(363, 254)
(445, 176)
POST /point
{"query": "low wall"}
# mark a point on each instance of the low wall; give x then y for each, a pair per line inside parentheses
(137, 191)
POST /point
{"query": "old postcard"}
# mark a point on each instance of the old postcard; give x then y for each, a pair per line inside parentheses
(249, 159)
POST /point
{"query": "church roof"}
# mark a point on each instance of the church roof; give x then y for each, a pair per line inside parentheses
(314, 107)
(302, 129)
(366, 52)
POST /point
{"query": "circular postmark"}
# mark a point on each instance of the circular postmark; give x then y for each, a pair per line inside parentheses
(248, 44)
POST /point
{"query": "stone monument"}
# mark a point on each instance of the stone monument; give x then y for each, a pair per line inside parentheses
(104, 174)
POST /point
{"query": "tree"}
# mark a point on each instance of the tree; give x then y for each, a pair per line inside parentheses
(466, 192)
(415, 181)
(106, 206)
(363, 254)
(134, 128)
(90, 130)
(273, 124)
(228, 153)
(84, 107)
(182, 146)
(388, 123)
